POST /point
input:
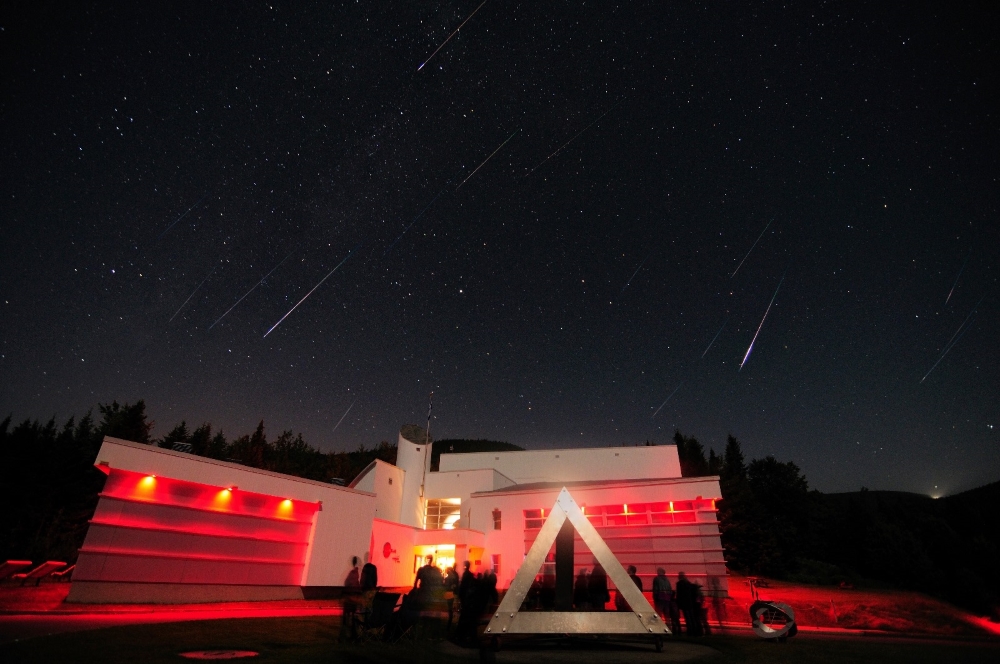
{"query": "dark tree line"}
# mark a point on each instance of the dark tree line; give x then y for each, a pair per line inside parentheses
(773, 525)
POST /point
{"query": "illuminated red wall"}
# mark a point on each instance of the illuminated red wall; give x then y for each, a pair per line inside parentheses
(161, 530)
(680, 536)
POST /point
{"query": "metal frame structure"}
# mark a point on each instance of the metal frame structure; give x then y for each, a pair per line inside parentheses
(642, 619)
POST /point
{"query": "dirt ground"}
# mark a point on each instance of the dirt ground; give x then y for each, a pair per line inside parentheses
(859, 609)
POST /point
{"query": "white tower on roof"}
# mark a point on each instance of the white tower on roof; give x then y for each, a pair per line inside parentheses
(413, 455)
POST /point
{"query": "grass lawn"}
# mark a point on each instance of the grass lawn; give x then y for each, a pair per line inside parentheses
(316, 640)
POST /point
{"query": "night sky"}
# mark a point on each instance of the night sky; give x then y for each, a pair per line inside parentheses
(654, 180)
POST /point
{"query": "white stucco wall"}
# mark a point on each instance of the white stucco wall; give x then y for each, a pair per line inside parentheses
(509, 540)
(462, 484)
(342, 527)
(573, 465)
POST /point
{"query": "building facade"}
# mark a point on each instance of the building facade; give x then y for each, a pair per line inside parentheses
(173, 527)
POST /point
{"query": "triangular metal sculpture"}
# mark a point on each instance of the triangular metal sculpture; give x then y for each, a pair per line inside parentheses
(642, 619)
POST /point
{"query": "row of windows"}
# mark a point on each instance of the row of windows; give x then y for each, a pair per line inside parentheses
(442, 513)
(638, 514)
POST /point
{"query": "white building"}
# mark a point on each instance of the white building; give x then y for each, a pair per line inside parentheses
(173, 527)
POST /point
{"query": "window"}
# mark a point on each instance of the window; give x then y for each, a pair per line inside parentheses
(496, 519)
(496, 563)
(442, 513)
(634, 514)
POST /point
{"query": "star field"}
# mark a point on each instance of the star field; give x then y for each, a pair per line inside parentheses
(162, 162)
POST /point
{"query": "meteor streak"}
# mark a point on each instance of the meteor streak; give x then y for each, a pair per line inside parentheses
(750, 349)
(576, 136)
(344, 415)
(955, 338)
(635, 273)
(487, 159)
(311, 292)
(751, 249)
(426, 207)
(182, 216)
(714, 338)
(962, 269)
(248, 292)
(452, 35)
(666, 400)
(191, 295)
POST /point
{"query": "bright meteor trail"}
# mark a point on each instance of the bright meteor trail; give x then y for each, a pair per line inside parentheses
(487, 159)
(751, 250)
(311, 292)
(666, 400)
(192, 295)
(344, 415)
(714, 338)
(962, 269)
(452, 35)
(955, 338)
(248, 292)
(635, 273)
(750, 349)
(575, 136)
(426, 207)
(182, 216)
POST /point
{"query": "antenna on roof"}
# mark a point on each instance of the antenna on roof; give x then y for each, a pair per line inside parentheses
(427, 442)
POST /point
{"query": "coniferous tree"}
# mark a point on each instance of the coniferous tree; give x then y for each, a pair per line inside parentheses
(127, 422)
(179, 434)
(749, 544)
(200, 439)
(692, 456)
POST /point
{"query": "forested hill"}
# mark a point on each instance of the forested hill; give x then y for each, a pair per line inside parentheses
(773, 525)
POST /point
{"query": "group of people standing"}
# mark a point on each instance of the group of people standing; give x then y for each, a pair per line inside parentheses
(590, 593)
(476, 594)
(686, 600)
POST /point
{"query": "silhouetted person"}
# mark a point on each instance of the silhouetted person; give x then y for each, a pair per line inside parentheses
(701, 611)
(621, 604)
(492, 595)
(548, 591)
(663, 598)
(466, 583)
(352, 592)
(597, 588)
(428, 583)
(717, 602)
(581, 596)
(481, 594)
(450, 591)
(686, 603)
(369, 577)
(353, 580)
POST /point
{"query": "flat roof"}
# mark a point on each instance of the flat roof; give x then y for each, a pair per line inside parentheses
(154, 449)
(549, 486)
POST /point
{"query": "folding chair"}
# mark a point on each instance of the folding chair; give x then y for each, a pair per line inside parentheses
(376, 621)
(39, 572)
(63, 575)
(11, 566)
